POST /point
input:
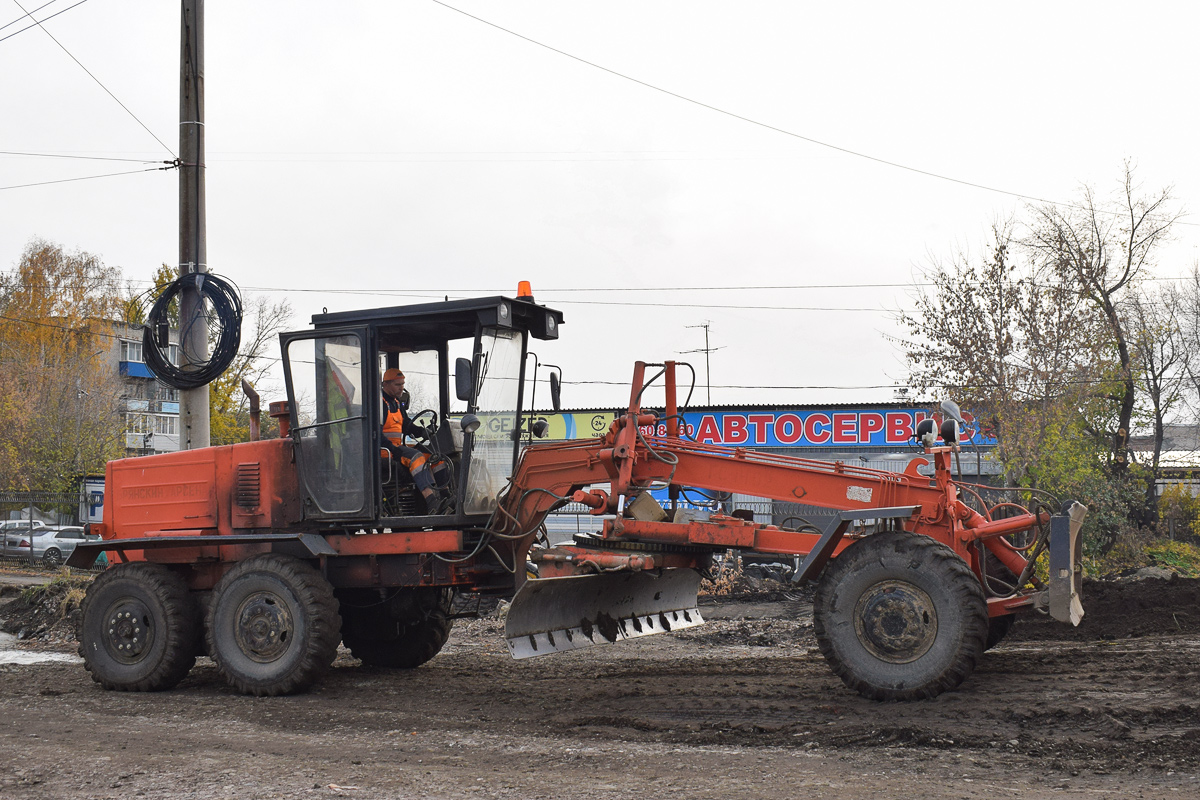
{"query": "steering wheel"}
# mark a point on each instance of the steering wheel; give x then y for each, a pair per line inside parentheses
(432, 426)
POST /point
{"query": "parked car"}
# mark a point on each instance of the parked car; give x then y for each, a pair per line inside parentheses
(15, 544)
(21, 525)
(15, 536)
(55, 545)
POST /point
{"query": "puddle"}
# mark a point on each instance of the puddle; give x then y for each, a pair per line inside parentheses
(9, 654)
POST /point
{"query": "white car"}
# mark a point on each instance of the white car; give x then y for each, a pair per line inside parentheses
(20, 525)
(15, 536)
(55, 545)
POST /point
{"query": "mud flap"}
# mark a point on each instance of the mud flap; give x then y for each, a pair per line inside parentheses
(1066, 569)
(550, 615)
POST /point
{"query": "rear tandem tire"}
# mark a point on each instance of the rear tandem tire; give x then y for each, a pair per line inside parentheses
(139, 628)
(403, 633)
(272, 626)
(899, 616)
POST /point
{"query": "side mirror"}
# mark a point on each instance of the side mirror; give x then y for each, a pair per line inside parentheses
(555, 391)
(463, 382)
(540, 428)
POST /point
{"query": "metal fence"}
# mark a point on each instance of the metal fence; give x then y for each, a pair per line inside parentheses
(24, 514)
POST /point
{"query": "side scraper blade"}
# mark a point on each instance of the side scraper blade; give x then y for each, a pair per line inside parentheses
(1066, 567)
(550, 615)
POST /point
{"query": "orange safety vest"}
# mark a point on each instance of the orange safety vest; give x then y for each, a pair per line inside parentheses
(393, 421)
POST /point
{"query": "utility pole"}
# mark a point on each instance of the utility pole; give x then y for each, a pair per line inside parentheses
(193, 255)
(706, 351)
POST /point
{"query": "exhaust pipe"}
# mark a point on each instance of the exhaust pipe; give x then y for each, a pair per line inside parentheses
(254, 409)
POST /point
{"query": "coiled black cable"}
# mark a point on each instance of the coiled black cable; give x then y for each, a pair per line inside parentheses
(221, 313)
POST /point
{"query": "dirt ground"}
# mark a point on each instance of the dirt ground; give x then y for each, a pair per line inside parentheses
(743, 707)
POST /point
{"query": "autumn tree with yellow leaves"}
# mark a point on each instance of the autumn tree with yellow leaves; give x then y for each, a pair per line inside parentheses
(59, 397)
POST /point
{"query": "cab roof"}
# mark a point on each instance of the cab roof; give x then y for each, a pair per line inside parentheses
(452, 319)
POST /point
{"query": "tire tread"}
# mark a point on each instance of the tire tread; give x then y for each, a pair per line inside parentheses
(964, 587)
(182, 628)
(321, 641)
(420, 641)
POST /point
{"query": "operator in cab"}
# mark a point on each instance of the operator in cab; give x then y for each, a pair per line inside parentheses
(396, 425)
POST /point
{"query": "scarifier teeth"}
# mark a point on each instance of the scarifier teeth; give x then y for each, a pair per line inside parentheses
(602, 631)
(551, 615)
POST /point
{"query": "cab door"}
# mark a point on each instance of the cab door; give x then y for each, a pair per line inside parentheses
(328, 375)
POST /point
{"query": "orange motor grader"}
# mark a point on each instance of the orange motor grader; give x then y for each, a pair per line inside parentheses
(268, 554)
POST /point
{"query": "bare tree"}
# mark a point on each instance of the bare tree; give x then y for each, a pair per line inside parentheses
(255, 359)
(1161, 356)
(1188, 315)
(1038, 338)
(1102, 248)
(1020, 353)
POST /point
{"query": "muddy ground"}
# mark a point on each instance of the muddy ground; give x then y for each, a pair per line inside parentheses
(743, 707)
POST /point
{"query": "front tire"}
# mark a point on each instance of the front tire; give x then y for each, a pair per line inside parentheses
(272, 626)
(139, 628)
(899, 616)
(404, 632)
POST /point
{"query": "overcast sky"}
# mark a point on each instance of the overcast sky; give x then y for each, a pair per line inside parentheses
(368, 154)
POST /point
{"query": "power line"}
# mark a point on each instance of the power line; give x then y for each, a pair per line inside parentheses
(765, 125)
(795, 387)
(433, 294)
(82, 158)
(66, 328)
(85, 178)
(93, 77)
(26, 16)
(741, 306)
(36, 22)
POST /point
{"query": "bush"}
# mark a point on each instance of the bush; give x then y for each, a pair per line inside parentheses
(1179, 511)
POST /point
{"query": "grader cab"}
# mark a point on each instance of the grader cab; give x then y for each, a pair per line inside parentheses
(268, 554)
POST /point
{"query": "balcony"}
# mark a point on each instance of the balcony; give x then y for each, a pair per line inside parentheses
(138, 441)
(151, 406)
(134, 369)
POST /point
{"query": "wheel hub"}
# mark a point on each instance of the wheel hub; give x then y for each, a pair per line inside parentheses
(128, 634)
(896, 621)
(263, 627)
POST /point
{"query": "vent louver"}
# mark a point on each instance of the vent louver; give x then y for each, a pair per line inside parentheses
(248, 485)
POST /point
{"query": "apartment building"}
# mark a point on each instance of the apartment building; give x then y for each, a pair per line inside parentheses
(149, 408)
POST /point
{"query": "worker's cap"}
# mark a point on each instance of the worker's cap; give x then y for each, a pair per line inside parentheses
(392, 374)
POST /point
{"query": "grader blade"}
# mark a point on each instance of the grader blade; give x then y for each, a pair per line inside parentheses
(550, 615)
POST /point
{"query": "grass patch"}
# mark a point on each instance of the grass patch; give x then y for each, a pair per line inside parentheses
(1180, 557)
(1137, 549)
(62, 595)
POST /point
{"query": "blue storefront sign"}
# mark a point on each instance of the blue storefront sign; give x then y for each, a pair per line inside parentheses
(868, 427)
